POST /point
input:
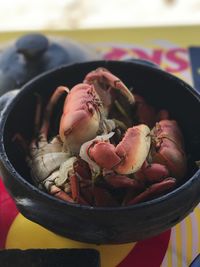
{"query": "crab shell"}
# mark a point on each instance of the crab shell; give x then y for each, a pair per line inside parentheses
(46, 159)
(81, 116)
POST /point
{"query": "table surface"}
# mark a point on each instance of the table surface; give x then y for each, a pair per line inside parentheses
(176, 50)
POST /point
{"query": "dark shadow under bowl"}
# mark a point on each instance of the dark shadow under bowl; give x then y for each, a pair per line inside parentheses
(103, 225)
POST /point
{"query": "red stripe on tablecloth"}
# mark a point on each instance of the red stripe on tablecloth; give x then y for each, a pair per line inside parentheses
(8, 212)
(148, 253)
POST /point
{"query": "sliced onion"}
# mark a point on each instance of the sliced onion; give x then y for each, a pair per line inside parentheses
(84, 155)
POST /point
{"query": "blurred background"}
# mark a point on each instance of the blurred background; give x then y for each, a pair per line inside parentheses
(84, 14)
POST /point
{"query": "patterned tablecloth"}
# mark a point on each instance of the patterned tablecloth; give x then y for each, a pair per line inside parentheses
(175, 248)
(169, 48)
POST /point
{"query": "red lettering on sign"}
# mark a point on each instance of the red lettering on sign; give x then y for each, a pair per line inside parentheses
(173, 59)
(176, 56)
(115, 53)
(155, 56)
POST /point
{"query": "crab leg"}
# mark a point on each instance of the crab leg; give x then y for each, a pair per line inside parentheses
(49, 109)
(122, 181)
(59, 193)
(38, 113)
(153, 190)
(104, 81)
(74, 187)
(152, 173)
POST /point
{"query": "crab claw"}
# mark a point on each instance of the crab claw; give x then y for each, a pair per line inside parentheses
(104, 79)
(128, 156)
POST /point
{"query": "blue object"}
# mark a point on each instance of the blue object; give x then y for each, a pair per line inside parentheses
(33, 54)
(196, 262)
(194, 54)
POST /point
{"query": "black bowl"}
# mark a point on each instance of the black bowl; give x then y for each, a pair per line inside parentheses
(106, 225)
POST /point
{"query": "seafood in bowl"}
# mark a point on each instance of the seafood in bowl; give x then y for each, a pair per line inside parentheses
(85, 163)
(129, 197)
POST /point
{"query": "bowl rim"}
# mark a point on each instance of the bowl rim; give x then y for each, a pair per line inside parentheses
(26, 88)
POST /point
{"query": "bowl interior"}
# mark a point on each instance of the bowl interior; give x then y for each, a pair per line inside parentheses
(159, 88)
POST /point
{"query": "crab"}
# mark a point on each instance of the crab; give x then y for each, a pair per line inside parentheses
(84, 115)
(148, 162)
(86, 108)
(168, 147)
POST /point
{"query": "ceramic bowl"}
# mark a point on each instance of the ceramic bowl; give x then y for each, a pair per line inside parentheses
(103, 225)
